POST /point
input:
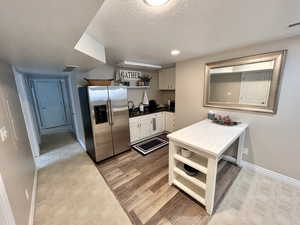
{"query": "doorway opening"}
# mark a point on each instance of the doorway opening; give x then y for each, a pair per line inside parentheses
(53, 113)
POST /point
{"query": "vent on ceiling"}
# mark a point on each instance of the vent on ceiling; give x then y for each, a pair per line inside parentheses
(70, 68)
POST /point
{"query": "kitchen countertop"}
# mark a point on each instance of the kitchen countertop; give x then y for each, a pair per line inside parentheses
(136, 114)
(209, 137)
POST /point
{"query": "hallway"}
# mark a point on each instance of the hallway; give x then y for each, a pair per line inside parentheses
(56, 147)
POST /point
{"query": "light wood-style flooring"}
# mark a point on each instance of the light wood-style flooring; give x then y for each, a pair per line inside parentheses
(140, 183)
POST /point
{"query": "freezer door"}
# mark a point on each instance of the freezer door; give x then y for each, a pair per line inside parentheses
(99, 109)
(119, 118)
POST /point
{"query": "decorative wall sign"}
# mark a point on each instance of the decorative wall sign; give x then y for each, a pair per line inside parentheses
(129, 75)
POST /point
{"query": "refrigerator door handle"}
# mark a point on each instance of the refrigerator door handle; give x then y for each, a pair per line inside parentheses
(108, 111)
(111, 113)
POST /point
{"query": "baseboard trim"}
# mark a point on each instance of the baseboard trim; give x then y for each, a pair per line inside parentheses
(270, 173)
(33, 199)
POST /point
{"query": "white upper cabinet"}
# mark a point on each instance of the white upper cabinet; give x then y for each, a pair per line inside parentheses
(167, 79)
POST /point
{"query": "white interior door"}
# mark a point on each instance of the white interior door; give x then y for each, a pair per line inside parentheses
(255, 88)
(50, 103)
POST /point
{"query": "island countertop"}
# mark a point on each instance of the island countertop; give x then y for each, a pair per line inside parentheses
(209, 137)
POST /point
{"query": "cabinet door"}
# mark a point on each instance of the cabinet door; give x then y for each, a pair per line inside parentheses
(159, 124)
(163, 80)
(153, 124)
(146, 127)
(134, 130)
(172, 78)
(170, 122)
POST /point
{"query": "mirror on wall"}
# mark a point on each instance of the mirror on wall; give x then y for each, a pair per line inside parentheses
(247, 83)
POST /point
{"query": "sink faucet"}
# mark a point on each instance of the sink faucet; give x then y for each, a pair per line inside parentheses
(132, 105)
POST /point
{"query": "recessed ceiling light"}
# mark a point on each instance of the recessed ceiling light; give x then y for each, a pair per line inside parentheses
(156, 2)
(175, 52)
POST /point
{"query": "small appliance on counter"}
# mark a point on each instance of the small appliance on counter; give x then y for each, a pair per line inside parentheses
(152, 106)
(172, 106)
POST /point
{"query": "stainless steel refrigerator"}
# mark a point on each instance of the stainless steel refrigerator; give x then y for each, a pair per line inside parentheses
(105, 120)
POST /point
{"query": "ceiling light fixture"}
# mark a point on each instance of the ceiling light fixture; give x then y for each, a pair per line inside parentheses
(156, 2)
(138, 64)
(175, 52)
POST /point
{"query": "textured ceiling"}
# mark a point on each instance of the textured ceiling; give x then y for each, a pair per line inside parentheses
(38, 35)
(131, 30)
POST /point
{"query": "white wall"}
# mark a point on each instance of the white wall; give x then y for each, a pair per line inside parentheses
(28, 113)
(76, 112)
(16, 162)
(273, 140)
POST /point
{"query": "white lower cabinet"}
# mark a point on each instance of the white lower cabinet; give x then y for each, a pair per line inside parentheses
(169, 121)
(145, 126)
(160, 123)
(134, 126)
(140, 127)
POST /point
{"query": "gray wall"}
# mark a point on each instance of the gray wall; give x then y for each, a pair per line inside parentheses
(28, 112)
(16, 162)
(273, 140)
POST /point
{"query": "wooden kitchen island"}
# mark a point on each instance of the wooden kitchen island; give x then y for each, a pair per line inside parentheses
(207, 141)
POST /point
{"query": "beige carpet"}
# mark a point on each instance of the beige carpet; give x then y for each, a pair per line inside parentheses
(58, 149)
(256, 199)
(51, 142)
(72, 192)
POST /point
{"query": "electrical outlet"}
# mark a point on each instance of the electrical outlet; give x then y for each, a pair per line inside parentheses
(3, 134)
(26, 194)
(246, 150)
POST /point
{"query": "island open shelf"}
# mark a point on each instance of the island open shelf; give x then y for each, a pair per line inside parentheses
(190, 188)
(206, 142)
(197, 162)
(198, 180)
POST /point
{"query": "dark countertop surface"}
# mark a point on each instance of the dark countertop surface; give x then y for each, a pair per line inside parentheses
(137, 113)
